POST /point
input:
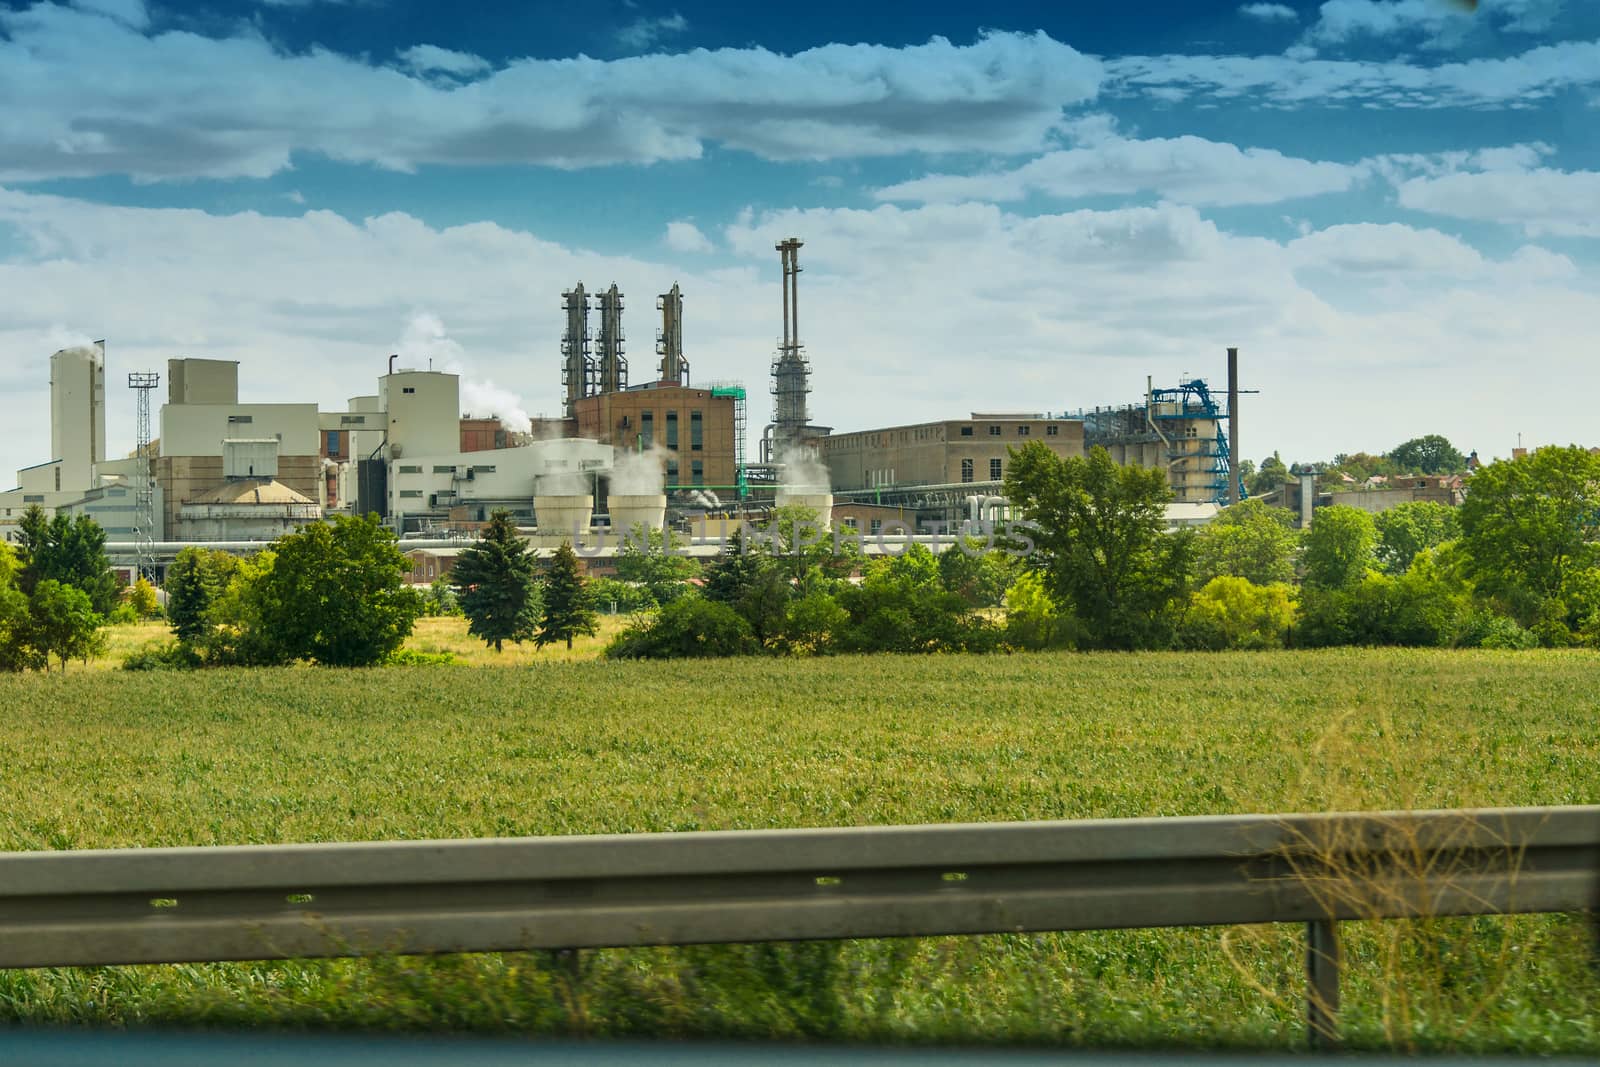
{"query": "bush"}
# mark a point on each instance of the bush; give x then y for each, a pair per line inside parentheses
(162, 656)
(689, 627)
(1486, 629)
(621, 598)
(1032, 619)
(1411, 610)
(124, 614)
(410, 657)
(1232, 613)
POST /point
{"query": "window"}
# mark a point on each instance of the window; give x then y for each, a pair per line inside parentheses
(1052, 430)
(410, 494)
(647, 428)
(994, 431)
(236, 419)
(1023, 431)
(966, 431)
(444, 468)
(697, 472)
(352, 420)
(33, 498)
(877, 525)
(697, 433)
(483, 469)
(672, 429)
(411, 468)
(333, 442)
(408, 389)
(850, 522)
(58, 489)
(994, 470)
(672, 472)
(966, 470)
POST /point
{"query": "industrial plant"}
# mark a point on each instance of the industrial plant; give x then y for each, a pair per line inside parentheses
(656, 448)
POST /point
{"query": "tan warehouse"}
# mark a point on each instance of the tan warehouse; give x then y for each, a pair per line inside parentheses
(953, 452)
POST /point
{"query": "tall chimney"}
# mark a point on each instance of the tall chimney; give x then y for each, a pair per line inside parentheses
(1233, 426)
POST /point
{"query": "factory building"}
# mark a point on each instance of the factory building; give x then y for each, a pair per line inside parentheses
(77, 438)
(953, 452)
(694, 429)
(250, 504)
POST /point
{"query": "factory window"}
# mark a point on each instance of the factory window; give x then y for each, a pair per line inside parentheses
(444, 468)
(411, 468)
(994, 431)
(352, 420)
(966, 431)
(672, 429)
(408, 389)
(408, 494)
(1052, 430)
(58, 489)
(647, 428)
(697, 433)
(1023, 431)
(333, 442)
(994, 470)
(966, 470)
(482, 469)
(697, 472)
(672, 472)
(241, 418)
(877, 526)
(33, 498)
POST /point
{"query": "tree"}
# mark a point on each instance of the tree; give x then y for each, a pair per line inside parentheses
(751, 581)
(568, 610)
(1408, 529)
(142, 598)
(1250, 540)
(1033, 621)
(690, 626)
(70, 551)
(650, 558)
(1429, 454)
(979, 578)
(1339, 547)
(496, 586)
(236, 633)
(901, 606)
(1229, 612)
(62, 622)
(1101, 543)
(1272, 474)
(197, 577)
(335, 596)
(1416, 609)
(1530, 535)
(15, 652)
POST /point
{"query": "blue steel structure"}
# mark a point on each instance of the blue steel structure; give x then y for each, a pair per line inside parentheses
(1192, 400)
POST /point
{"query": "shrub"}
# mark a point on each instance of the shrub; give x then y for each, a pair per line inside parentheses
(689, 627)
(1232, 613)
(162, 656)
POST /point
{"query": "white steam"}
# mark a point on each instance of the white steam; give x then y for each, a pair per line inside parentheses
(639, 473)
(801, 472)
(426, 342)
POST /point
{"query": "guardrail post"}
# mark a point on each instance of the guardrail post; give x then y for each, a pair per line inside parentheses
(1322, 983)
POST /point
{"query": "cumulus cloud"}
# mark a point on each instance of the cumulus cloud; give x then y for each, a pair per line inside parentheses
(1269, 12)
(1436, 23)
(1187, 169)
(970, 306)
(641, 33)
(178, 105)
(1301, 80)
(427, 58)
(130, 13)
(1540, 201)
(686, 237)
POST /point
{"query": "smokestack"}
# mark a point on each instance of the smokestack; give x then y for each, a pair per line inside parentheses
(613, 367)
(669, 342)
(791, 373)
(1233, 426)
(576, 366)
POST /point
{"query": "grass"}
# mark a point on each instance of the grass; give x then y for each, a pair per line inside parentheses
(100, 760)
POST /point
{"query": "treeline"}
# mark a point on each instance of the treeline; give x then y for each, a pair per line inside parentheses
(57, 591)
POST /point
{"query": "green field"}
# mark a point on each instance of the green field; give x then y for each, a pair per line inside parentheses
(97, 759)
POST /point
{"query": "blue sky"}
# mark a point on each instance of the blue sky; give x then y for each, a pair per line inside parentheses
(1391, 206)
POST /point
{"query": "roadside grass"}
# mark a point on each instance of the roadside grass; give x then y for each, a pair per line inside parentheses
(226, 757)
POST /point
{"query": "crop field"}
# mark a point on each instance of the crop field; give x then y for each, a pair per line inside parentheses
(100, 759)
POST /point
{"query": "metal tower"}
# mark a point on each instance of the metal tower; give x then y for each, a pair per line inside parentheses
(577, 366)
(791, 372)
(144, 528)
(669, 339)
(613, 366)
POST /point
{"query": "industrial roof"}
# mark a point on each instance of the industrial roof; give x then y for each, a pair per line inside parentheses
(251, 491)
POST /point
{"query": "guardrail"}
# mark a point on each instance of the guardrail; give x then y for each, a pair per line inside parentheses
(171, 905)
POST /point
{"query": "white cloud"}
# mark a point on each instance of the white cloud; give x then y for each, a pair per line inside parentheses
(1269, 12)
(1438, 23)
(427, 58)
(128, 12)
(944, 308)
(178, 105)
(426, 343)
(1300, 80)
(1189, 170)
(686, 237)
(644, 32)
(1541, 201)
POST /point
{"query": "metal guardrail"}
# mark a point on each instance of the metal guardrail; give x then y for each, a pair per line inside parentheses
(126, 906)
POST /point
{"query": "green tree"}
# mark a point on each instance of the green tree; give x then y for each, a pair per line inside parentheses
(1272, 474)
(1033, 620)
(980, 578)
(196, 578)
(62, 622)
(142, 598)
(754, 583)
(568, 607)
(689, 627)
(1250, 540)
(1101, 543)
(1429, 454)
(653, 559)
(1416, 609)
(495, 583)
(1408, 529)
(902, 606)
(69, 550)
(1530, 535)
(1230, 612)
(235, 632)
(1339, 547)
(335, 594)
(15, 652)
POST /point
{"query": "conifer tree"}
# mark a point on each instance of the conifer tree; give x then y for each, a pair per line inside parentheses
(568, 610)
(495, 585)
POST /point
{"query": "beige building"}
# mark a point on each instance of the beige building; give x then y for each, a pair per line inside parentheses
(949, 453)
(695, 427)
